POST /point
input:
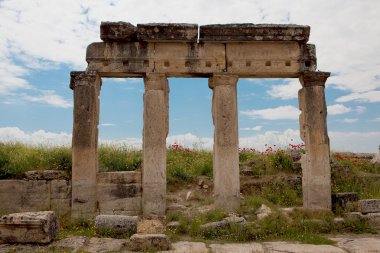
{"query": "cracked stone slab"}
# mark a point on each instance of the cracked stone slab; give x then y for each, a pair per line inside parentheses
(237, 248)
(359, 245)
(188, 247)
(277, 247)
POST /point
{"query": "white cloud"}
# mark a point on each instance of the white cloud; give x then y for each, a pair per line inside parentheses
(348, 120)
(279, 113)
(107, 124)
(376, 119)
(337, 109)
(40, 137)
(286, 91)
(355, 141)
(340, 141)
(256, 128)
(369, 96)
(360, 109)
(49, 97)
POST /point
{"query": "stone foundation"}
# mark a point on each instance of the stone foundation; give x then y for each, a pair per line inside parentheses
(117, 193)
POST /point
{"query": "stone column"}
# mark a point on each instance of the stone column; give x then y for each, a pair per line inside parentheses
(156, 127)
(86, 88)
(226, 142)
(316, 171)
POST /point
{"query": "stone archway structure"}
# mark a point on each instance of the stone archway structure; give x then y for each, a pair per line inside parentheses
(222, 53)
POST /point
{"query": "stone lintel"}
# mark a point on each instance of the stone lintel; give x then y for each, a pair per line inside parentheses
(76, 78)
(311, 78)
(217, 80)
(254, 32)
(153, 81)
(117, 31)
(167, 32)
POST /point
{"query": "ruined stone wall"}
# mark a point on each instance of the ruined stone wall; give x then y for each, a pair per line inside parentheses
(117, 192)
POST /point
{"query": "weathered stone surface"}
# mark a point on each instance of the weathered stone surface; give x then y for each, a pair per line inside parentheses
(86, 88)
(214, 225)
(11, 195)
(117, 31)
(167, 32)
(358, 245)
(61, 206)
(145, 242)
(46, 175)
(338, 221)
(237, 248)
(119, 177)
(103, 245)
(263, 212)
(173, 208)
(70, 243)
(316, 171)
(155, 131)
(232, 218)
(254, 32)
(266, 58)
(273, 247)
(189, 247)
(373, 219)
(118, 224)
(340, 199)
(29, 227)
(150, 227)
(369, 205)
(36, 196)
(129, 206)
(173, 225)
(119, 192)
(60, 189)
(226, 146)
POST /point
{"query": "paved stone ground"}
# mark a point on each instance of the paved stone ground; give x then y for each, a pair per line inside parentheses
(344, 244)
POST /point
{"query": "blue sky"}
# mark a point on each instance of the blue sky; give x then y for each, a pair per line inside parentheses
(42, 41)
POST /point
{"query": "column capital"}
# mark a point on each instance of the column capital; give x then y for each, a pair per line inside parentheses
(155, 81)
(83, 78)
(311, 78)
(217, 80)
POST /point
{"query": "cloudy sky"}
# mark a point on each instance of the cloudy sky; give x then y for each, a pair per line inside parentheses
(41, 41)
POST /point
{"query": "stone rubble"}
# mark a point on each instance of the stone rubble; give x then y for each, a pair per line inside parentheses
(263, 212)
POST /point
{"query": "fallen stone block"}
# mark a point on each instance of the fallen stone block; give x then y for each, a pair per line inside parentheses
(118, 224)
(29, 227)
(150, 227)
(369, 205)
(145, 242)
(341, 199)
